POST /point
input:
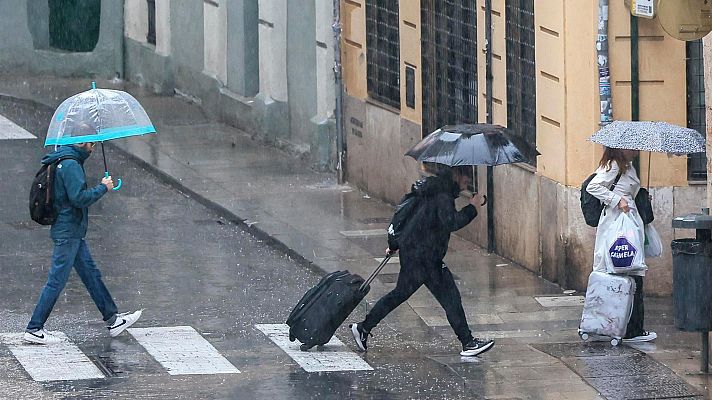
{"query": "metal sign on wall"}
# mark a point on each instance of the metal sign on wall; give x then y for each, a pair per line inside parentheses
(642, 8)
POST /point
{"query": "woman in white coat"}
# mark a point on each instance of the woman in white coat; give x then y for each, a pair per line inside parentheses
(620, 198)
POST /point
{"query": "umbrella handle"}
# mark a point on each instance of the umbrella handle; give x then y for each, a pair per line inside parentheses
(118, 180)
(484, 200)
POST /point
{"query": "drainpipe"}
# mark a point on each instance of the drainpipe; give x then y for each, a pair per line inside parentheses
(604, 76)
(339, 88)
(635, 82)
(491, 244)
(707, 65)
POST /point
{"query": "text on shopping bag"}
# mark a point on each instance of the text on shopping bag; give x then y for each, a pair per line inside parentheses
(622, 253)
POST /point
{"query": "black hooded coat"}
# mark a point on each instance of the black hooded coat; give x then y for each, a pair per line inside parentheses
(426, 234)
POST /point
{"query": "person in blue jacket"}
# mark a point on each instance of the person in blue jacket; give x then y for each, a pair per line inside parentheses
(72, 198)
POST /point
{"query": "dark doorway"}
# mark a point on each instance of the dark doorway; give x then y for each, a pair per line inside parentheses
(74, 24)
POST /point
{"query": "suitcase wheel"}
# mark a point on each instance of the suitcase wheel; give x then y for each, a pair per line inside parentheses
(614, 342)
(291, 338)
(305, 347)
(584, 336)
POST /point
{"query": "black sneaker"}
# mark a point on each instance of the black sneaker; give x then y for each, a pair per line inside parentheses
(360, 336)
(476, 346)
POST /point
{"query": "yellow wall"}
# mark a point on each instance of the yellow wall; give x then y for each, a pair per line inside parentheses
(551, 88)
(353, 47)
(499, 64)
(567, 88)
(662, 86)
(409, 14)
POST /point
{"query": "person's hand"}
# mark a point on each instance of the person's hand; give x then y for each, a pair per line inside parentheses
(476, 200)
(623, 205)
(390, 252)
(108, 182)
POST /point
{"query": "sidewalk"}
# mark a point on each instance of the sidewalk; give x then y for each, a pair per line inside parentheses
(335, 227)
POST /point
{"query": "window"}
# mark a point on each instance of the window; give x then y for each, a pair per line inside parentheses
(449, 66)
(521, 70)
(449, 58)
(74, 25)
(383, 51)
(151, 36)
(696, 163)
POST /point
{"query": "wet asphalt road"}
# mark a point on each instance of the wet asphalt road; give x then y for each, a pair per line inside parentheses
(160, 250)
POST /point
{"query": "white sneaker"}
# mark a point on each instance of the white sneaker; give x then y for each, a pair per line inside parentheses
(41, 337)
(123, 321)
(645, 337)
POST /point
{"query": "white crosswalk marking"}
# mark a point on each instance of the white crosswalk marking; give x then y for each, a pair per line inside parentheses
(58, 362)
(333, 357)
(364, 233)
(182, 351)
(393, 260)
(10, 130)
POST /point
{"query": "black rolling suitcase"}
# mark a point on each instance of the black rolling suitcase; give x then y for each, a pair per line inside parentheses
(324, 307)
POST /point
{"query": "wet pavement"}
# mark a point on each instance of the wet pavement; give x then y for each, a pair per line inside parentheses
(216, 232)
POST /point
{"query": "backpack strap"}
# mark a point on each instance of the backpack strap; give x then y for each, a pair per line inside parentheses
(616, 181)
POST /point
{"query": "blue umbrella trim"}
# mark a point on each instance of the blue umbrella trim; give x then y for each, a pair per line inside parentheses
(103, 135)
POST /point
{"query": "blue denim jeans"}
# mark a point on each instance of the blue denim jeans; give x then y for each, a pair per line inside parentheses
(68, 253)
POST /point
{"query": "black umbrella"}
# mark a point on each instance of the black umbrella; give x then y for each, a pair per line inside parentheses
(475, 144)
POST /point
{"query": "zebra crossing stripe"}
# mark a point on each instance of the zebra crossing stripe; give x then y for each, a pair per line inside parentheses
(58, 362)
(333, 357)
(182, 351)
(364, 233)
(10, 130)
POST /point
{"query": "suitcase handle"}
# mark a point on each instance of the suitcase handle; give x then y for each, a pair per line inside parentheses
(371, 277)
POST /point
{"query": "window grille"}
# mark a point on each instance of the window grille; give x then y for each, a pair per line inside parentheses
(151, 36)
(696, 163)
(449, 63)
(521, 70)
(383, 51)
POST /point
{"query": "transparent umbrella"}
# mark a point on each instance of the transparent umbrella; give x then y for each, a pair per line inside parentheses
(98, 115)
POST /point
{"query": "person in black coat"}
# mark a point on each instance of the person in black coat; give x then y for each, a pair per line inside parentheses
(423, 244)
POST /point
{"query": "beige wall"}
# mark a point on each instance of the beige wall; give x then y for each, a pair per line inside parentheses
(567, 88)
(325, 91)
(136, 24)
(136, 20)
(499, 64)
(215, 40)
(662, 86)
(273, 49)
(353, 47)
(410, 48)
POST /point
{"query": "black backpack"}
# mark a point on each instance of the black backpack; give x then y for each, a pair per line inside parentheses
(41, 204)
(404, 210)
(590, 205)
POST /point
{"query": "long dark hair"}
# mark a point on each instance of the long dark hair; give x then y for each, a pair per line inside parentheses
(611, 154)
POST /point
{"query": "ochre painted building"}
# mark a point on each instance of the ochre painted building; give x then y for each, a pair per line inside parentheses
(410, 66)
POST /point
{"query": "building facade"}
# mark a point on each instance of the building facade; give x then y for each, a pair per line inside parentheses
(263, 66)
(54, 37)
(411, 66)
